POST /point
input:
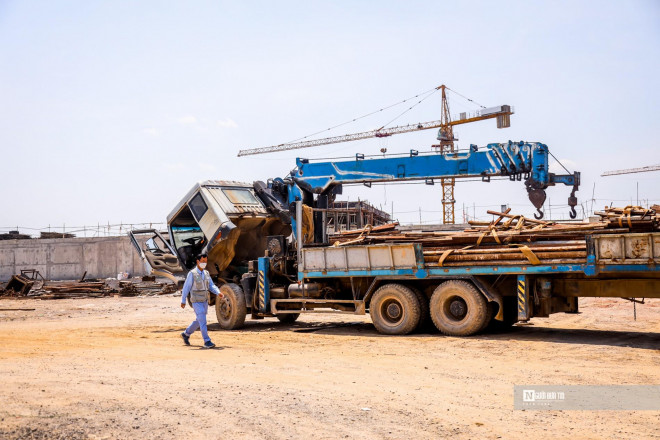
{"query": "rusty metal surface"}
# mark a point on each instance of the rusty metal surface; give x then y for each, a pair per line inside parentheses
(628, 248)
(612, 288)
(370, 257)
(228, 202)
(206, 183)
(18, 285)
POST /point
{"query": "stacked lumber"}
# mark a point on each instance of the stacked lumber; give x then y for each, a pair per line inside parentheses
(635, 218)
(508, 240)
(75, 287)
(14, 235)
(45, 235)
(72, 289)
(145, 288)
(96, 289)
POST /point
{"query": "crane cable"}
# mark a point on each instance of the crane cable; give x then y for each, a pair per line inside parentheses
(429, 92)
(465, 97)
(410, 108)
(425, 98)
(562, 165)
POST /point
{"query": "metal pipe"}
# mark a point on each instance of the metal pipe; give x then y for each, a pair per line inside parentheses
(299, 219)
(494, 257)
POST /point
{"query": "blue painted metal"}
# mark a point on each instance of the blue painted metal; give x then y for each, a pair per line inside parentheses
(517, 160)
(617, 268)
(513, 159)
(263, 283)
(448, 272)
(294, 194)
(420, 271)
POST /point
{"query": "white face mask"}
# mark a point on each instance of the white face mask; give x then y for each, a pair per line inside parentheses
(202, 266)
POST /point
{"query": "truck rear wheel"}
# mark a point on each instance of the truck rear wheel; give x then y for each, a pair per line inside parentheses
(231, 309)
(458, 309)
(510, 313)
(395, 310)
(288, 318)
(424, 312)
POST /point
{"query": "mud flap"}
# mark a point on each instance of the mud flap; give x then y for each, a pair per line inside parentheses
(491, 295)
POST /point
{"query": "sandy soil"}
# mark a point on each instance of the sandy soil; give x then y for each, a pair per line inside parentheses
(116, 368)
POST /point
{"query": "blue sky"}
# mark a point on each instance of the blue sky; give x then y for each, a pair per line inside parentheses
(110, 111)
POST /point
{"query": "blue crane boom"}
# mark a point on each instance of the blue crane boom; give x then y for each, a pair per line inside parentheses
(520, 161)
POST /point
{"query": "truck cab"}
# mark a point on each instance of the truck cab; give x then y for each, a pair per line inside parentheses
(228, 221)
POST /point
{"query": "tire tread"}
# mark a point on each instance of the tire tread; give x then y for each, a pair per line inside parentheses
(477, 308)
(405, 294)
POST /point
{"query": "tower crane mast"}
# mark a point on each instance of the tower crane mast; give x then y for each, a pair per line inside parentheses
(446, 138)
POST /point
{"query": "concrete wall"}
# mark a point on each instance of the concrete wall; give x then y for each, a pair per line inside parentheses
(69, 258)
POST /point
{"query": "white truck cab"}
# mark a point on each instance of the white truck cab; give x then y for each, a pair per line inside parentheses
(228, 221)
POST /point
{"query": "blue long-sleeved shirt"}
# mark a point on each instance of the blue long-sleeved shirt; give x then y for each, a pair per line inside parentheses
(189, 283)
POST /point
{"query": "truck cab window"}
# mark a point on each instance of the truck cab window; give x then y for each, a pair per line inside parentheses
(240, 196)
(198, 206)
(189, 241)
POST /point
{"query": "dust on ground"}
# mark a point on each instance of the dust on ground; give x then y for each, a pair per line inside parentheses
(113, 368)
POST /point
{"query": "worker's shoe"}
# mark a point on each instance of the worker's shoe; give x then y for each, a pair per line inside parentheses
(186, 338)
(209, 344)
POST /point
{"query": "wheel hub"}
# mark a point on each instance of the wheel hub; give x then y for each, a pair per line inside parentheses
(225, 308)
(458, 308)
(393, 311)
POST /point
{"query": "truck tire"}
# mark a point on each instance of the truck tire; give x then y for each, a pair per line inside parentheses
(458, 309)
(424, 316)
(231, 309)
(395, 310)
(492, 311)
(510, 317)
(288, 318)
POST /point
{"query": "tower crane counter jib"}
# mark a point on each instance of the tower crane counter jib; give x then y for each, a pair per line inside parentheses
(519, 161)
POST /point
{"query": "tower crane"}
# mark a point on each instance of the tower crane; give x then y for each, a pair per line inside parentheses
(632, 170)
(445, 136)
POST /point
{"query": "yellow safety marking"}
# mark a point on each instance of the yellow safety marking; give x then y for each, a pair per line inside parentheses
(262, 292)
(521, 296)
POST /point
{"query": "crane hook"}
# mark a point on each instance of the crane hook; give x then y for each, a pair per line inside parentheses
(540, 214)
(572, 201)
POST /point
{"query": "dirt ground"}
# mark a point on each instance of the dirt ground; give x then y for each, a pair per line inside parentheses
(116, 368)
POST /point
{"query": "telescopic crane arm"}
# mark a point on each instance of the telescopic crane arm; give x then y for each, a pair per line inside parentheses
(519, 161)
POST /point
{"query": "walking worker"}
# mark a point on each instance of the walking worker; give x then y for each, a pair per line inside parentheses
(198, 284)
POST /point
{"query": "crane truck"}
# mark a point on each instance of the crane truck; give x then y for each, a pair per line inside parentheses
(269, 250)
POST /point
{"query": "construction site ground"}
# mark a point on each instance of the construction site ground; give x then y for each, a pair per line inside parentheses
(116, 368)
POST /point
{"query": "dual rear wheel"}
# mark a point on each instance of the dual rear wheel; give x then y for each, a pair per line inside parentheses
(456, 308)
(459, 309)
